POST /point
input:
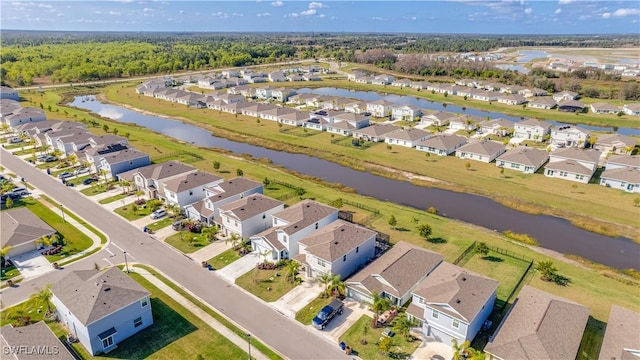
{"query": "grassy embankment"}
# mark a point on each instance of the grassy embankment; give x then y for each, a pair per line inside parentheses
(599, 209)
(595, 287)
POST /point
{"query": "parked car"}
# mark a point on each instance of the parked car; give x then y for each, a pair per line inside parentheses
(157, 214)
(65, 175)
(177, 226)
(327, 313)
(19, 191)
(81, 171)
(16, 140)
(89, 181)
(41, 157)
(50, 158)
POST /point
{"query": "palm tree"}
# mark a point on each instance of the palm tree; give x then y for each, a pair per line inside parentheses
(104, 173)
(337, 286)
(403, 324)
(379, 305)
(43, 297)
(482, 249)
(292, 270)
(45, 241)
(125, 185)
(459, 350)
(73, 159)
(209, 232)
(3, 252)
(8, 203)
(234, 240)
(325, 279)
(17, 315)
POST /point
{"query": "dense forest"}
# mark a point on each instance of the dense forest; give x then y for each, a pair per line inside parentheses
(86, 56)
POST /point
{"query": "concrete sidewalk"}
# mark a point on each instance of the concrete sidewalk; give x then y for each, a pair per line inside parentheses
(215, 324)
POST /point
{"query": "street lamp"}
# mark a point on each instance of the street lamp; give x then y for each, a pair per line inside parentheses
(125, 261)
(62, 211)
(249, 342)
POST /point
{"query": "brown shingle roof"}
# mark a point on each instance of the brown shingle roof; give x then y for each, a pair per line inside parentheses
(484, 147)
(397, 271)
(303, 214)
(525, 156)
(91, 295)
(540, 326)
(622, 332)
(629, 175)
(29, 339)
(625, 160)
(338, 238)
(577, 154)
(443, 141)
(463, 291)
(250, 206)
(571, 166)
(232, 187)
(376, 130)
(20, 226)
(159, 171)
(412, 134)
(190, 181)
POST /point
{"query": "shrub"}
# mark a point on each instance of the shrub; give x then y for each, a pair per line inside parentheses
(523, 238)
(140, 202)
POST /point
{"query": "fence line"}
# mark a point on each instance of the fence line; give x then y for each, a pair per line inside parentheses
(515, 288)
(464, 254)
(361, 206)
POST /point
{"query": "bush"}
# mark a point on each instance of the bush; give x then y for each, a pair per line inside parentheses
(140, 202)
(523, 238)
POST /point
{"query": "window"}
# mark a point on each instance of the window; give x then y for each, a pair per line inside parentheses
(264, 216)
(456, 323)
(144, 302)
(344, 258)
(316, 226)
(420, 300)
(235, 223)
(357, 249)
(190, 192)
(434, 314)
(107, 342)
(321, 262)
(137, 322)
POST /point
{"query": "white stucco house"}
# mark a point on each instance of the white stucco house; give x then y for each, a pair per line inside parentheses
(626, 179)
(249, 215)
(531, 129)
(525, 159)
(569, 136)
(442, 145)
(484, 151)
(20, 230)
(573, 164)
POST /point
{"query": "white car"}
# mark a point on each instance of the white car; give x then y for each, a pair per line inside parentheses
(157, 214)
(81, 171)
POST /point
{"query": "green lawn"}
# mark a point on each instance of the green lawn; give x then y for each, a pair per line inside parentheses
(371, 351)
(164, 222)
(307, 314)
(77, 180)
(278, 191)
(114, 198)
(258, 282)
(224, 259)
(95, 189)
(130, 214)
(195, 242)
(8, 273)
(74, 240)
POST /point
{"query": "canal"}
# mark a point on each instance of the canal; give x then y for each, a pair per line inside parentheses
(552, 232)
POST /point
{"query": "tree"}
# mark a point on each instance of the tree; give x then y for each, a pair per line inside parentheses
(216, 165)
(425, 231)
(292, 271)
(403, 324)
(337, 286)
(301, 191)
(104, 173)
(365, 332)
(239, 172)
(392, 221)
(105, 127)
(467, 165)
(379, 306)
(482, 249)
(385, 344)
(459, 350)
(325, 279)
(546, 269)
(45, 241)
(43, 298)
(209, 232)
(266, 181)
(636, 201)
(8, 203)
(234, 240)
(3, 253)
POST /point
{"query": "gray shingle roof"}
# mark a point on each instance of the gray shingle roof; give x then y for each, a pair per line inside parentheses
(625, 160)
(412, 134)
(250, 206)
(452, 287)
(124, 155)
(190, 181)
(376, 130)
(484, 147)
(397, 271)
(615, 139)
(338, 238)
(232, 187)
(622, 332)
(534, 122)
(303, 214)
(20, 226)
(629, 175)
(525, 156)
(540, 326)
(571, 166)
(91, 295)
(443, 141)
(159, 171)
(35, 336)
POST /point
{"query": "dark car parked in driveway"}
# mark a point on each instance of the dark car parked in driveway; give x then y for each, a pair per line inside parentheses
(89, 181)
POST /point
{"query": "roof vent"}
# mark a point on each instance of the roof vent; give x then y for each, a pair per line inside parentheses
(107, 289)
(335, 243)
(342, 229)
(458, 301)
(241, 209)
(464, 279)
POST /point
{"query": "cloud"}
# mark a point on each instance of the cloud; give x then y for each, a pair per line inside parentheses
(528, 10)
(147, 10)
(565, 2)
(263, 14)
(308, 12)
(409, 18)
(220, 14)
(317, 5)
(237, 14)
(627, 12)
(584, 17)
(181, 11)
(558, 11)
(114, 13)
(606, 15)
(377, 18)
(277, 3)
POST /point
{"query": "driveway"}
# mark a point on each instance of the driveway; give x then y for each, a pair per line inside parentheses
(296, 299)
(430, 348)
(239, 267)
(353, 310)
(32, 264)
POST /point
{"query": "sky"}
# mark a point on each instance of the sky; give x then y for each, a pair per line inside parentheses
(444, 16)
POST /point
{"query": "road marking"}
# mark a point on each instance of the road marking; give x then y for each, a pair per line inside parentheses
(109, 251)
(107, 260)
(114, 244)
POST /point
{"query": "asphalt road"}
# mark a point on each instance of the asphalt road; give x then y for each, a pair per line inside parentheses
(290, 338)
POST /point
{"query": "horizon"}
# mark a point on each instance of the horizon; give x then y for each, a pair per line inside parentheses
(473, 17)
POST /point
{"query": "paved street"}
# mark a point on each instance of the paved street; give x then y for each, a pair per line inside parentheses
(286, 336)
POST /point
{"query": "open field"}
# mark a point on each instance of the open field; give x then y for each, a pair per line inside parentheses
(600, 209)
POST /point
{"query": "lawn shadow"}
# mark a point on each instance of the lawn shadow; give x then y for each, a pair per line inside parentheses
(437, 240)
(168, 326)
(561, 280)
(493, 258)
(224, 171)
(403, 229)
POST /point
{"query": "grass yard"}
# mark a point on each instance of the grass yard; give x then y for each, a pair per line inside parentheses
(299, 131)
(95, 189)
(164, 222)
(258, 282)
(114, 198)
(371, 351)
(8, 273)
(278, 191)
(224, 259)
(195, 242)
(130, 214)
(74, 240)
(307, 314)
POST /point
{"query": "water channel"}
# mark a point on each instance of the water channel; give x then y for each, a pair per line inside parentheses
(552, 232)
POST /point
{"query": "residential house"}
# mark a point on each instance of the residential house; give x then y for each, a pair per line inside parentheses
(264, 92)
(274, 114)
(512, 99)
(615, 144)
(115, 163)
(289, 227)
(235, 107)
(94, 153)
(276, 76)
(375, 132)
(7, 107)
(623, 161)
(296, 118)
(295, 77)
(405, 112)
(539, 325)
(565, 95)
(442, 145)
(189, 188)
(208, 209)
(573, 164)
(627, 179)
(453, 303)
(340, 248)
(150, 178)
(358, 107)
(439, 118)
(407, 137)
(512, 89)
(394, 275)
(530, 92)
(462, 122)
(382, 79)
(229, 98)
(604, 108)
(525, 159)
(621, 340)
(500, 127)
(101, 308)
(282, 94)
(20, 230)
(23, 115)
(531, 129)
(353, 76)
(68, 144)
(569, 136)
(316, 123)
(345, 123)
(254, 110)
(421, 85)
(9, 93)
(230, 73)
(301, 99)
(379, 108)
(343, 128)
(402, 83)
(249, 215)
(32, 342)
(571, 106)
(543, 103)
(485, 151)
(486, 95)
(631, 109)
